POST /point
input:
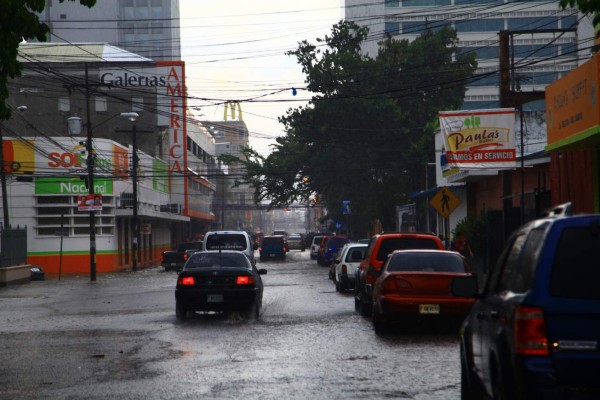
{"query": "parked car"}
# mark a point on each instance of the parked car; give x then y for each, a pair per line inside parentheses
(175, 259)
(222, 281)
(295, 242)
(349, 258)
(314, 246)
(229, 240)
(280, 233)
(329, 247)
(534, 331)
(416, 283)
(379, 247)
(273, 247)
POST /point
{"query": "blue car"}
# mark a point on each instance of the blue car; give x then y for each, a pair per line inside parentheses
(330, 249)
(273, 247)
(534, 331)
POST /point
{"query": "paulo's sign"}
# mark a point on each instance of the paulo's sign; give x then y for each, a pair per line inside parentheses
(479, 139)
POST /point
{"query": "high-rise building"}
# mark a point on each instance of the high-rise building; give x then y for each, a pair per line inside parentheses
(562, 42)
(149, 28)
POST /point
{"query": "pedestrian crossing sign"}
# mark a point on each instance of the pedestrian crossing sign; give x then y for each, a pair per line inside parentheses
(444, 202)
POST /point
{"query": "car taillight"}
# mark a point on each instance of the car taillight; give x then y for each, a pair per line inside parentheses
(245, 280)
(162, 257)
(530, 332)
(260, 248)
(186, 281)
(344, 269)
(185, 257)
(394, 284)
(285, 249)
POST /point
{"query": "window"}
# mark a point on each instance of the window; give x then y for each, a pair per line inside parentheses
(511, 265)
(474, 2)
(479, 25)
(64, 104)
(392, 3)
(101, 104)
(532, 23)
(481, 53)
(418, 27)
(52, 212)
(421, 3)
(392, 28)
(574, 273)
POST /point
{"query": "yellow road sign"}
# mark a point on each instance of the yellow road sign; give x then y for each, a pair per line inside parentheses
(444, 202)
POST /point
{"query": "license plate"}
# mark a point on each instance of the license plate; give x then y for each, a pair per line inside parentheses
(214, 298)
(429, 308)
(173, 264)
(272, 255)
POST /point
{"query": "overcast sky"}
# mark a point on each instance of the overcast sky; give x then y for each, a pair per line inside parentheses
(234, 50)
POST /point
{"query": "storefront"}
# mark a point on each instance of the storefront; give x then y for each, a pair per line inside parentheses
(573, 121)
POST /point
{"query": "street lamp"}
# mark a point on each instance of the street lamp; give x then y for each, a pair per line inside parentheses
(133, 116)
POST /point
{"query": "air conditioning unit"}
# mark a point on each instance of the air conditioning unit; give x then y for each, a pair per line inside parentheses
(126, 200)
(173, 208)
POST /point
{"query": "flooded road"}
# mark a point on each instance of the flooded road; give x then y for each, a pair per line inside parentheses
(118, 337)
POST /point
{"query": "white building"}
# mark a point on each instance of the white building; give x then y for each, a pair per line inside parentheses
(149, 28)
(540, 58)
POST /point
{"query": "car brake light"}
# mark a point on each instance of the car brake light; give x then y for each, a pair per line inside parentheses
(344, 269)
(187, 281)
(284, 249)
(394, 284)
(245, 280)
(530, 332)
(260, 248)
(185, 256)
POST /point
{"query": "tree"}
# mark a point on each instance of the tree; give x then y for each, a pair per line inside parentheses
(368, 127)
(18, 22)
(586, 7)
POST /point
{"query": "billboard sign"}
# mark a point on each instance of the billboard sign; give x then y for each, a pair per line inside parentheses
(479, 139)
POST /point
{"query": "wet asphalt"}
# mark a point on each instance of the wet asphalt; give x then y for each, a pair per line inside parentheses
(118, 338)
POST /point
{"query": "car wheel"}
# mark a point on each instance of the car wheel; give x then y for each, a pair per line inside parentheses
(180, 311)
(365, 308)
(378, 324)
(342, 286)
(467, 390)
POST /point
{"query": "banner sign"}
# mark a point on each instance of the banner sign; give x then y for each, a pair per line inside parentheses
(71, 186)
(89, 202)
(479, 139)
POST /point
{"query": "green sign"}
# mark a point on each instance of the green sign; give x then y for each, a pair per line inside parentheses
(71, 186)
(160, 176)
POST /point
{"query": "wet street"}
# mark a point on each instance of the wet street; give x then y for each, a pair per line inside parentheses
(118, 338)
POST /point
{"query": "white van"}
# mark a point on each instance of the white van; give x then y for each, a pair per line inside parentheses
(229, 240)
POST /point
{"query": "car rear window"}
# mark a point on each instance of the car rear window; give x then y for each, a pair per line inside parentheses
(271, 241)
(336, 242)
(575, 271)
(390, 244)
(356, 254)
(426, 262)
(226, 242)
(216, 260)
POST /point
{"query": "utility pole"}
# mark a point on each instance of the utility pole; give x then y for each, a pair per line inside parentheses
(133, 116)
(511, 96)
(90, 177)
(3, 181)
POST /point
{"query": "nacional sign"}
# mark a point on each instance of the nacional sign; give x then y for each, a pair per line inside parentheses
(479, 139)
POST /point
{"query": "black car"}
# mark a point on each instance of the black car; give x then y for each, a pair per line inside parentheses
(222, 281)
(534, 331)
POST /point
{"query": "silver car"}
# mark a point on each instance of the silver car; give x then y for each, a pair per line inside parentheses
(347, 262)
(314, 246)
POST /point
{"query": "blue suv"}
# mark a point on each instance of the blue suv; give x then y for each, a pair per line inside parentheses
(534, 331)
